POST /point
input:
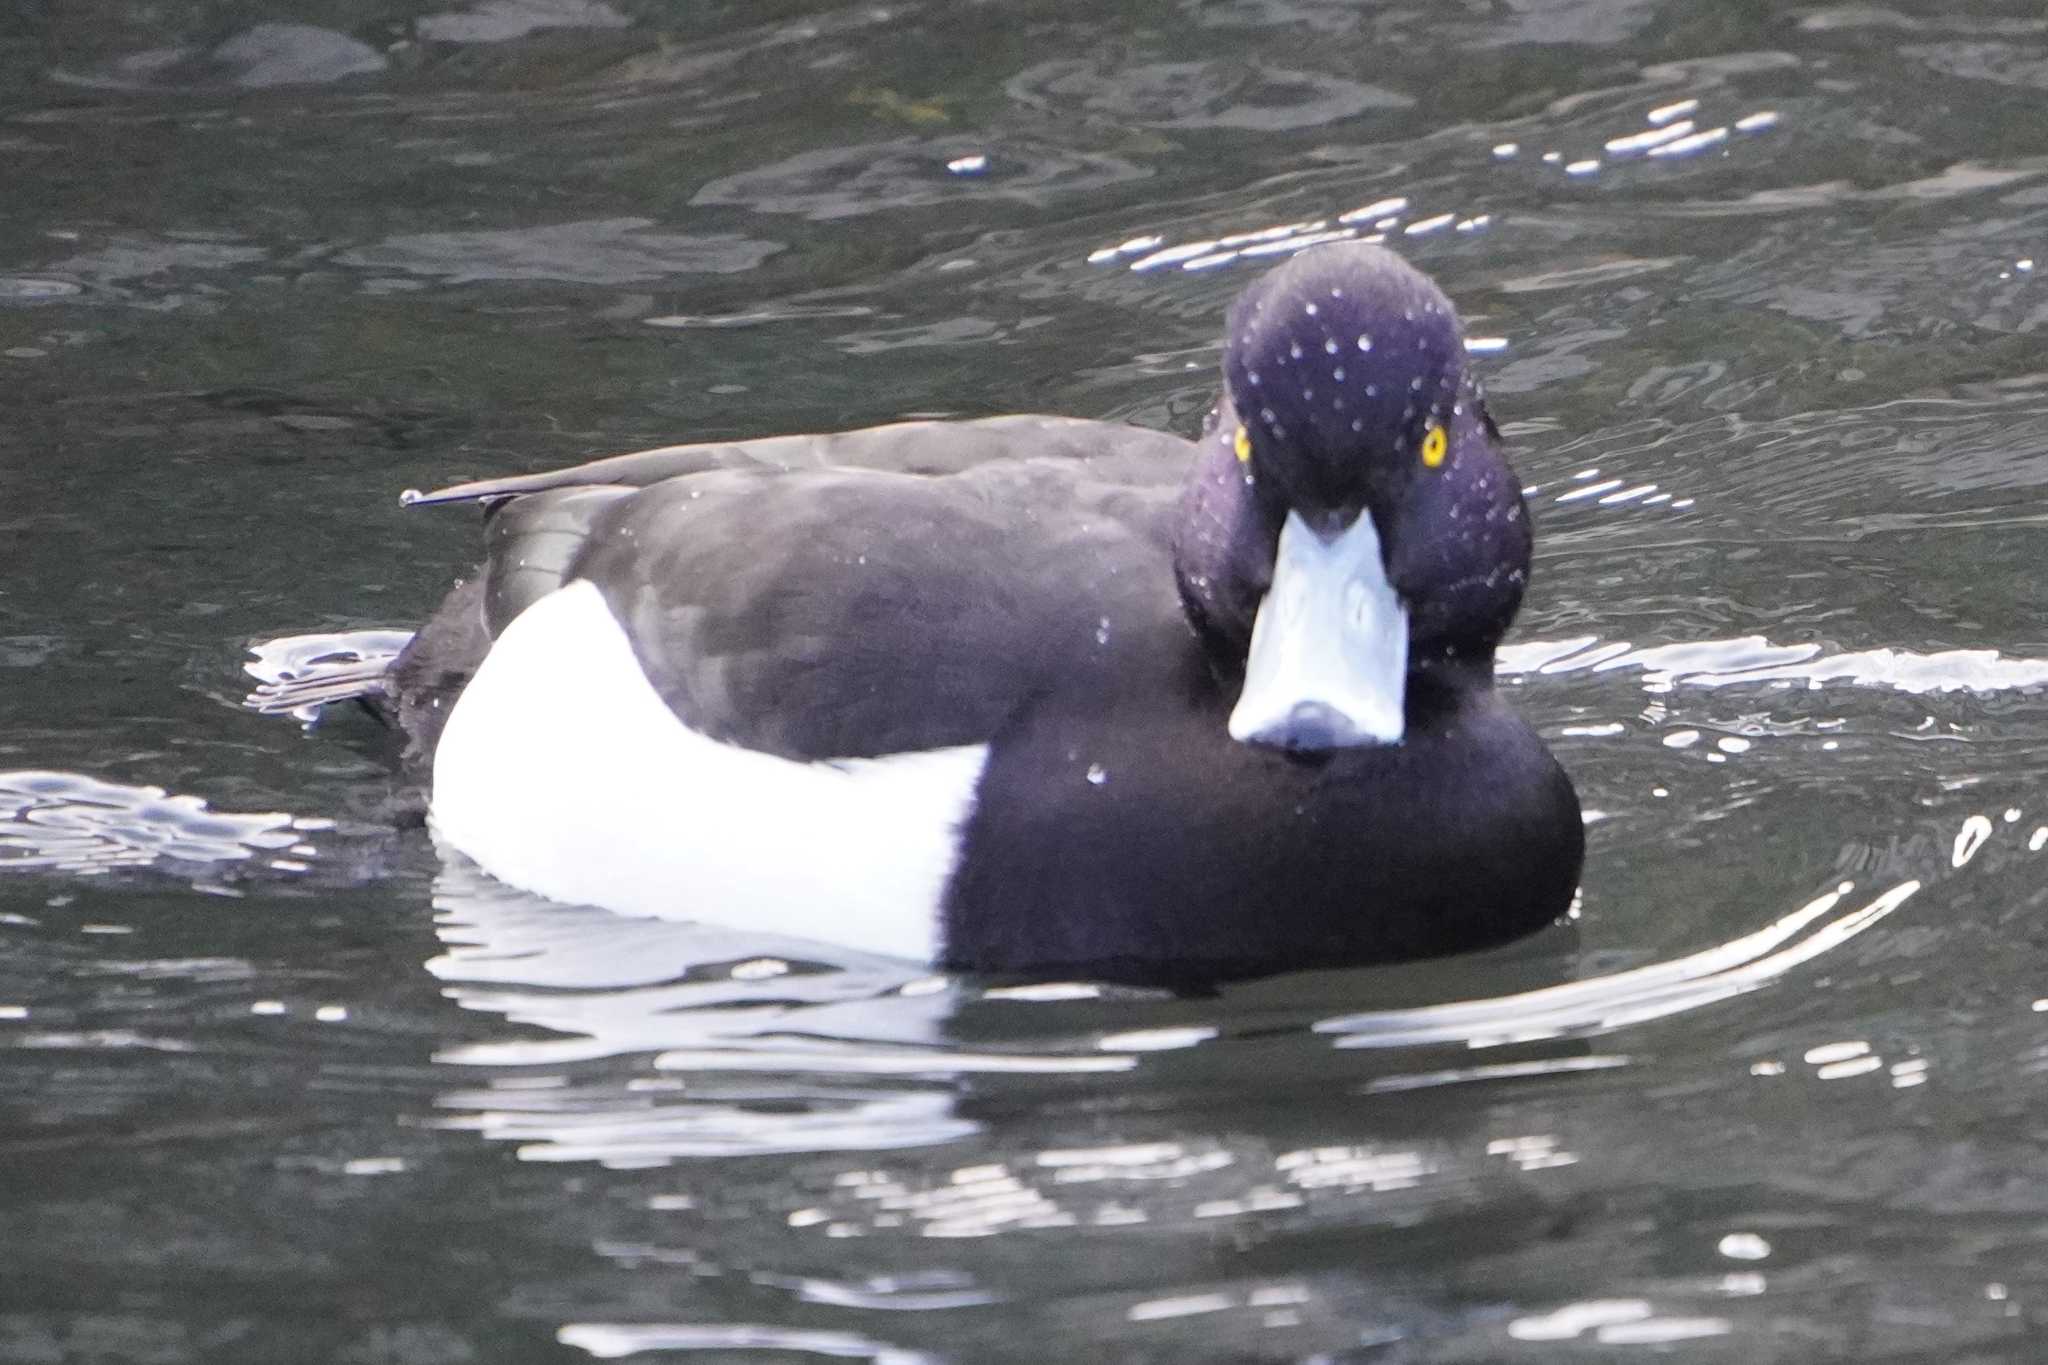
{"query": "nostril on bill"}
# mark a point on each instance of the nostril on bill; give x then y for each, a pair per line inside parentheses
(1310, 725)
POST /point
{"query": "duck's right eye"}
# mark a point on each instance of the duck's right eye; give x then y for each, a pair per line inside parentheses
(1243, 446)
(1434, 445)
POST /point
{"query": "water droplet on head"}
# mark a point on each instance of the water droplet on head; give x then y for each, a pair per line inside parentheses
(1102, 631)
(1372, 390)
(1252, 377)
(1097, 774)
(1294, 349)
(1338, 374)
(1415, 384)
(1330, 346)
(1310, 309)
(1364, 342)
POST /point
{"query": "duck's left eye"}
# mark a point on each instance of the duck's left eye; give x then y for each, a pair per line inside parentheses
(1434, 445)
(1243, 446)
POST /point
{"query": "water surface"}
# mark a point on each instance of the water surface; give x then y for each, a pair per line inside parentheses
(1760, 311)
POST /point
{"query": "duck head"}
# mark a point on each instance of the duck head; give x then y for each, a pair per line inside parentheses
(1351, 527)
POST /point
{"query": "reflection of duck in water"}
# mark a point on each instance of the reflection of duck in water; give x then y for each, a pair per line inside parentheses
(1031, 694)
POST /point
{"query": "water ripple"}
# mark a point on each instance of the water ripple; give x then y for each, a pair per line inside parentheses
(1620, 999)
(1754, 659)
(501, 21)
(910, 172)
(297, 674)
(597, 251)
(71, 823)
(1191, 95)
(614, 1340)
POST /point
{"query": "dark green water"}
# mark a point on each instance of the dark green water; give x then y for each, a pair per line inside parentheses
(274, 1093)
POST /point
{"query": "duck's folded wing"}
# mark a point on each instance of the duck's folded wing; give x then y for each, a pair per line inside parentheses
(901, 447)
(854, 613)
(532, 543)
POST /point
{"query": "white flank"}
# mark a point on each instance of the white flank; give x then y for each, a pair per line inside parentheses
(1329, 656)
(563, 772)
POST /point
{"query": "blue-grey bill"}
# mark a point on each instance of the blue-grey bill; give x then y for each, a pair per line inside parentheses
(1329, 657)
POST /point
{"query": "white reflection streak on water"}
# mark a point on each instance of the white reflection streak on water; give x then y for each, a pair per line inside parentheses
(1623, 998)
(613, 1340)
(1754, 659)
(1615, 1322)
(1663, 140)
(72, 823)
(339, 660)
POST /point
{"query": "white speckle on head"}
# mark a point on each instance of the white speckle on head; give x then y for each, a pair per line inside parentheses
(1338, 374)
(1415, 384)
(1372, 390)
(1097, 774)
(1357, 424)
(1330, 346)
(1309, 308)
(1294, 349)
(1364, 342)
(1335, 292)
(1251, 377)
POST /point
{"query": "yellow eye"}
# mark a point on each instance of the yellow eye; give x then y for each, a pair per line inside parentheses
(1243, 446)
(1434, 445)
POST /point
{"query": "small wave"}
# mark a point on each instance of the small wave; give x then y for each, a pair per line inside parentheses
(1754, 659)
(71, 823)
(1605, 1003)
(298, 674)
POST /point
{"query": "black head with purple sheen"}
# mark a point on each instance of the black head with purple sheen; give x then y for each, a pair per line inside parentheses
(1337, 363)
(1333, 429)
